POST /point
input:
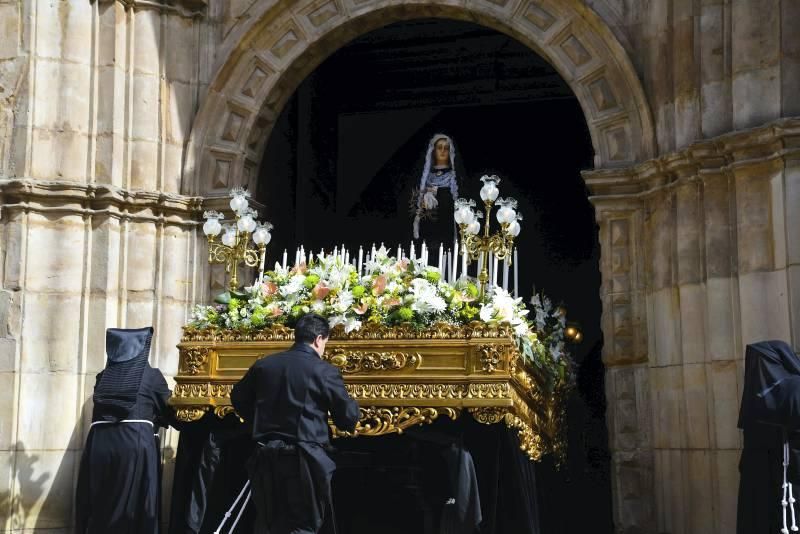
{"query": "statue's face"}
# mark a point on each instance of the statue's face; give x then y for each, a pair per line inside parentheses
(442, 152)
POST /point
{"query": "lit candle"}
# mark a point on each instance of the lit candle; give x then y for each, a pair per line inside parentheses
(516, 279)
(285, 257)
(441, 258)
(411, 254)
(505, 273)
(372, 254)
(360, 258)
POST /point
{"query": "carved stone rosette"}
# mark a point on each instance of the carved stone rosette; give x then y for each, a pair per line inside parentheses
(400, 376)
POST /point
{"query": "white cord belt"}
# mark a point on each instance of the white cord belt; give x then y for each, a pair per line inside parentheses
(122, 421)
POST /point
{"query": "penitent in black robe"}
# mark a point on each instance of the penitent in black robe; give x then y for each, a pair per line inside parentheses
(119, 486)
(769, 416)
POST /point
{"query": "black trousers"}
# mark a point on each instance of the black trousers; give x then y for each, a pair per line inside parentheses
(284, 493)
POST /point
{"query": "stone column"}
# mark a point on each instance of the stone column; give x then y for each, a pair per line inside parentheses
(714, 229)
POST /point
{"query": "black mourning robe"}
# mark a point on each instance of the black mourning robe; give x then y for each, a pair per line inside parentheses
(287, 397)
(769, 415)
(119, 486)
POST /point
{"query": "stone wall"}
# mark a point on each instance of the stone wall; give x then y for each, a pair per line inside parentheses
(700, 256)
(116, 117)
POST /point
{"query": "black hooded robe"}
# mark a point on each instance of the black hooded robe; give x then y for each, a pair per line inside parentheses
(119, 486)
(769, 415)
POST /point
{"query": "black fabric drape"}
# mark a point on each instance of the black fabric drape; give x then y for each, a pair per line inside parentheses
(410, 469)
(769, 411)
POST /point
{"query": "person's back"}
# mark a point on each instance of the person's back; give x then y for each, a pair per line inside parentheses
(287, 397)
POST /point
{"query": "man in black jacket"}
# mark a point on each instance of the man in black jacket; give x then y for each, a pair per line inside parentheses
(286, 397)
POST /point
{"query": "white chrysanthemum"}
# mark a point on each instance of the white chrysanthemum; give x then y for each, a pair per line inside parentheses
(334, 320)
(522, 329)
(426, 299)
(487, 313)
(318, 306)
(343, 302)
(293, 286)
(350, 324)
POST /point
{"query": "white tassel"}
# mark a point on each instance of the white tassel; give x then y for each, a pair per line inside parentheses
(230, 510)
(788, 499)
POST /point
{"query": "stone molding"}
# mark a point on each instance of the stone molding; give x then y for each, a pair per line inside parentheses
(183, 8)
(772, 145)
(71, 198)
(277, 44)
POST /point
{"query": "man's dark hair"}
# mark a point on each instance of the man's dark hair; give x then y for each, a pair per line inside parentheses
(309, 327)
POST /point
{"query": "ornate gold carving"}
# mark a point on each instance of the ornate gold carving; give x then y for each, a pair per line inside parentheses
(430, 391)
(222, 411)
(490, 357)
(194, 359)
(202, 390)
(355, 361)
(379, 421)
(489, 415)
(188, 414)
(529, 441)
(369, 331)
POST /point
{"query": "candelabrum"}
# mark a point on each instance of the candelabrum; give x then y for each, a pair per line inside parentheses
(500, 244)
(234, 246)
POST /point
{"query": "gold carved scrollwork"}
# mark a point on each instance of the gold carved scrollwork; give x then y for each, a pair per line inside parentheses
(193, 360)
(369, 331)
(222, 411)
(379, 421)
(202, 390)
(529, 441)
(489, 415)
(429, 391)
(190, 413)
(490, 357)
(350, 361)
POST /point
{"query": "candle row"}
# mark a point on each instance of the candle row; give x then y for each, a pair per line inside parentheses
(452, 263)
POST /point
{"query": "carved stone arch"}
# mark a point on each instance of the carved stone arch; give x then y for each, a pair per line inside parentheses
(279, 43)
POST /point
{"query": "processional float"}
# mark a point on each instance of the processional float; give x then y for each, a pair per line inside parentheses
(413, 341)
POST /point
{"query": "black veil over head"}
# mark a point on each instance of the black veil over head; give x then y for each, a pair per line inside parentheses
(118, 385)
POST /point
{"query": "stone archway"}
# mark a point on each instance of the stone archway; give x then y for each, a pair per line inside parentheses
(278, 44)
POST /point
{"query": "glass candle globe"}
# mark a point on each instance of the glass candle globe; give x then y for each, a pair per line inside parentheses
(489, 191)
(212, 226)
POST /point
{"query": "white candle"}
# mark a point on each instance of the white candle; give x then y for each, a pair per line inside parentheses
(285, 257)
(494, 270)
(447, 266)
(516, 279)
(464, 263)
(347, 256)
(441, 258)
(360, 258)
(454, 267)
(412, 255)
(399, 252)
(297, 256)
(480, 264)
(372, 254)
(335, 252)
(505, 274)
(489, 264)
(302, 254)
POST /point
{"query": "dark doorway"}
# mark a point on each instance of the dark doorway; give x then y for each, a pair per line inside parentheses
(348, 149)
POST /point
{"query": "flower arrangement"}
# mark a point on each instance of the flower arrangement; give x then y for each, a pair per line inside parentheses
(391, 291)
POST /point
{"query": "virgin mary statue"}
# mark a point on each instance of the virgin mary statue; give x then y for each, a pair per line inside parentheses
(438, 190)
